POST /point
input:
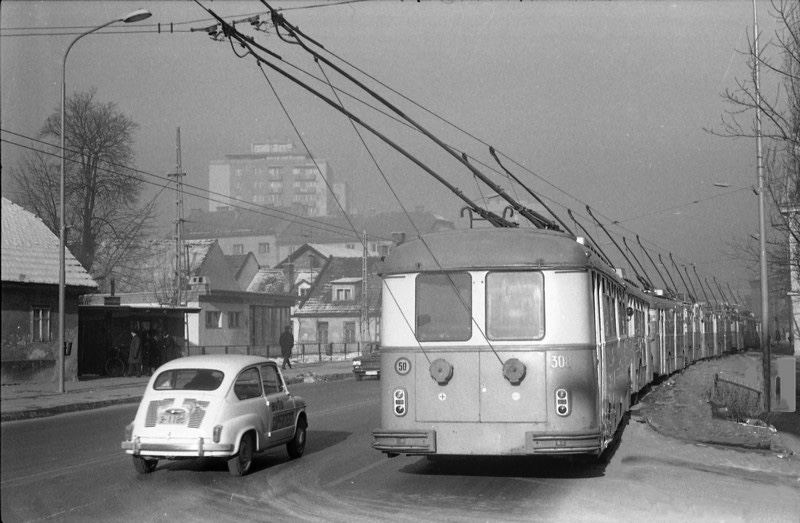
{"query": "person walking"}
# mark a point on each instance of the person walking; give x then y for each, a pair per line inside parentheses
(135, 356)
(287, 342)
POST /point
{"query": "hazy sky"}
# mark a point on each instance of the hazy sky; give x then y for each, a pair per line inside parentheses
(606, 102)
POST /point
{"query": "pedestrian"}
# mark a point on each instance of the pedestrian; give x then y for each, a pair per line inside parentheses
(153, 352)
(135, 356)
(287, 342)
(169, 349)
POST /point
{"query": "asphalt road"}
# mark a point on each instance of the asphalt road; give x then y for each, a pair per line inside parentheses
(70, 468)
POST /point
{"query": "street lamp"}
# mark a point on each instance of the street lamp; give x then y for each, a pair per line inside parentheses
(135, 16)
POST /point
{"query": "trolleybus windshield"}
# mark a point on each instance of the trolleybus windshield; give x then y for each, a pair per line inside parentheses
(514, 308)
(444, 304)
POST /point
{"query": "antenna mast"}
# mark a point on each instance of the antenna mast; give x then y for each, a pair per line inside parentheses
(179, 174)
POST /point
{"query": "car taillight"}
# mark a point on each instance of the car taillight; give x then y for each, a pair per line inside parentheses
(562, 402)
(217, 433)
(129, 432)
(400, 402)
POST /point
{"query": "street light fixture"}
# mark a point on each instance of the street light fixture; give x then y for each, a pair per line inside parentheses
(135, 16)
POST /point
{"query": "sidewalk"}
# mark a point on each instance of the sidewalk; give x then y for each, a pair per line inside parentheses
(36, 400)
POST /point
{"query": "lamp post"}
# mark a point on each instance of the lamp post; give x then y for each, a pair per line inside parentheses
(135, 16)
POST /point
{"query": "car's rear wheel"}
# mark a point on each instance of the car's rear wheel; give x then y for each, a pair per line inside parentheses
(359, 377)
(239, 464)
(144, 466)
(297, 446)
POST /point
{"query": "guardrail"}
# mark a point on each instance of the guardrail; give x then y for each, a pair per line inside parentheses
(305, 352)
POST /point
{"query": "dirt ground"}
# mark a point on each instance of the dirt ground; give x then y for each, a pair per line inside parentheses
(679, 407)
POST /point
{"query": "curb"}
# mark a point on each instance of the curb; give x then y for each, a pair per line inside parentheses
(64, 409)
(46, 412)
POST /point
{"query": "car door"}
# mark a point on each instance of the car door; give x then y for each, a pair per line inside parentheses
(280, 405)
(248, 390)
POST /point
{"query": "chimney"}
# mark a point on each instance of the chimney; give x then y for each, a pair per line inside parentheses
(398, 237)
(288, 276)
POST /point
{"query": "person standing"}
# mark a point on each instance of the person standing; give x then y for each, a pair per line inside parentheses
(135, 356)
(153, 352)
(169, 349)
(287, 342)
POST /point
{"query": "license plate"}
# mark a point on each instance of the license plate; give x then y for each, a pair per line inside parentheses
(371, 373)
(172, 419)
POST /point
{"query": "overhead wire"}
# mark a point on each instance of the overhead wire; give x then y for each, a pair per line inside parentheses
(328, 4)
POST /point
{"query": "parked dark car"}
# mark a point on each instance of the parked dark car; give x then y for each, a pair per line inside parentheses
(369, 363)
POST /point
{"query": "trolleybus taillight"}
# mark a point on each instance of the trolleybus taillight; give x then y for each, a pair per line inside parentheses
(562, 402)
(399, 402)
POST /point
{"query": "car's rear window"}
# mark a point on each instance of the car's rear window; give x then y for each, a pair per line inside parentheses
(189, 379)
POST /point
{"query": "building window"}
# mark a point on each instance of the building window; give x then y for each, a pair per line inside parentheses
(213, 320)
(349, 332)
(234, 319)
(322, 332)
(263, 248)
(238, 248)
(40, 323)
(342, 293)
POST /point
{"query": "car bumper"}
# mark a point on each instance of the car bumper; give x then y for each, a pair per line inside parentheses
(189, 448)
(366, 372)
(405, 441)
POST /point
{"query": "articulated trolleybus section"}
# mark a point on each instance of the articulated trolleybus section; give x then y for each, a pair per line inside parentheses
(515, 342)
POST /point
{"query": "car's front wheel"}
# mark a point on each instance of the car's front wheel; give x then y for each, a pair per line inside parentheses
(144, 466)
(239, 464)
(297, 446)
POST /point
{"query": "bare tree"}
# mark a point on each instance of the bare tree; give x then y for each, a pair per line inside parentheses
(779, 60)
(102, 190)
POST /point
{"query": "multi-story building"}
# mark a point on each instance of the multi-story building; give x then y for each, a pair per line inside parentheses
(275, 174)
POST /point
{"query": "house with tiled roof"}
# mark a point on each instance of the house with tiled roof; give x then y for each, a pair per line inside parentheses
(30, 283)
(330, 316)
(272, 235)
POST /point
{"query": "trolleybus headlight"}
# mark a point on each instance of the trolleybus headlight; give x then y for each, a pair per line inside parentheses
(441, 371)
(514, 371)
(562, 402)
(399, 400)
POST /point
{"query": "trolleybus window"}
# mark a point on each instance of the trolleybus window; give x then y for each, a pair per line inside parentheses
(444, 305)
(514, 308)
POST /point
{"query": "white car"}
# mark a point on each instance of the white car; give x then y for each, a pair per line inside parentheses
(225, 406)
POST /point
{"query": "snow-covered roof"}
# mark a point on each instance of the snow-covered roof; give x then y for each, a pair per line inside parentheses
(30, 251)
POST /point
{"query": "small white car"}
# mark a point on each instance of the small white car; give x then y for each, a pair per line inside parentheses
(225, 406)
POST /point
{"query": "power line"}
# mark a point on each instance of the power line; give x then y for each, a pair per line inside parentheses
(204, 194)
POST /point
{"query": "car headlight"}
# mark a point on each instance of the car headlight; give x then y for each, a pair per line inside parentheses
(356, 363)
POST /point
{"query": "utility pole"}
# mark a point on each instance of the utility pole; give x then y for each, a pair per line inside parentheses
(179, 174)
(364, 301)
(762, 229)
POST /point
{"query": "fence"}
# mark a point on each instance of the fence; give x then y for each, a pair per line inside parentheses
(303, 352)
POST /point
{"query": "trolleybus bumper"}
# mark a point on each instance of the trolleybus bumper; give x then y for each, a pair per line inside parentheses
(565, 443)
(405, 441)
